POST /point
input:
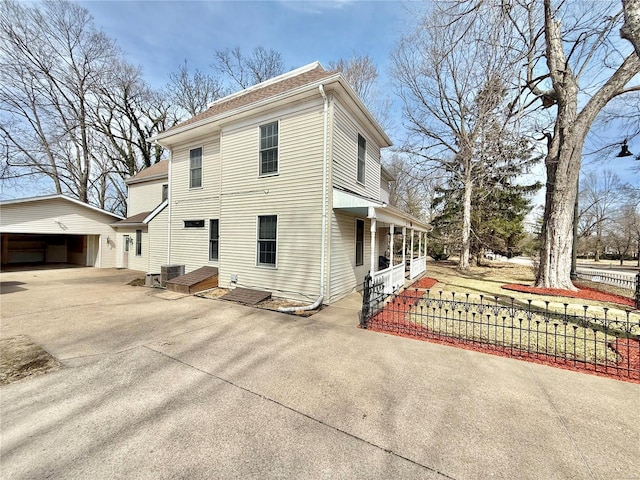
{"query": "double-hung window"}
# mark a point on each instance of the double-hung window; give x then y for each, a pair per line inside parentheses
(267, 238)
(359, 242)
(214, 239)
(362, 155)
(138, 243)
(269, 148)
(195, 167)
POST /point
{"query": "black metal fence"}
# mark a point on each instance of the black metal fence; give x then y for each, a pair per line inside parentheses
(581, 337)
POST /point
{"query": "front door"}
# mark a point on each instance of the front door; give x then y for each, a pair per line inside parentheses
(126, 241)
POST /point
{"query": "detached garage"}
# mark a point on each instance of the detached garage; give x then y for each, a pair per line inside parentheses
(56, 229)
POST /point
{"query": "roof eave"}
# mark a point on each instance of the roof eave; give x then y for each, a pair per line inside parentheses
(158, 176)
(61, 197)
(251, 106)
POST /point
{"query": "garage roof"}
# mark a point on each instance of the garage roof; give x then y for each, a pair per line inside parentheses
(58, 197)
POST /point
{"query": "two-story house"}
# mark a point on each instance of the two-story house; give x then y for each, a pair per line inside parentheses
(280, 187)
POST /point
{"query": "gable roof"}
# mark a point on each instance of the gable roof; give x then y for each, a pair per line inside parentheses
(142, 218)
(262, 91)
(299, 81)
(58, 197)
(154, 172)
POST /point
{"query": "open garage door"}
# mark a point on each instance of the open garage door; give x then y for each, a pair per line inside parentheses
(42, 249)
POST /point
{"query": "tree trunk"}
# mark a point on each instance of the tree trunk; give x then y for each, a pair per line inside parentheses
(557, 228)
(631, 28)
(463, 263)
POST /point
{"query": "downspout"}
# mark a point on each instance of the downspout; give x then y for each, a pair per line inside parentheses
(169, 206)
(323, 247)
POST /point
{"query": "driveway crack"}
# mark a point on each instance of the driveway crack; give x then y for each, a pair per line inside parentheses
(549, 399)
(298, 412)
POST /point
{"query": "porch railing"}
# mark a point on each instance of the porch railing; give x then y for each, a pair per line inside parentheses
(390, 278)
(417, 266)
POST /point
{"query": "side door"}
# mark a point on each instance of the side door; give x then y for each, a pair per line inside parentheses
(126, 243)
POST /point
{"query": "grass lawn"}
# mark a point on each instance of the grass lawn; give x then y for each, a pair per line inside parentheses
(546, 331)
(488, 281)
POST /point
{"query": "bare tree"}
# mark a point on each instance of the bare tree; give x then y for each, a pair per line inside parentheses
(600, 195)
(362, 74)
(574, 64)
(624, 233)
(631, 28)
(193, 92)
(51, 61)
(453, 92)
(128, 112)
(410, 192)
(244, 71)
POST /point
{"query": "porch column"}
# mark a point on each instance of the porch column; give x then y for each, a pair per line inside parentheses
(373, 245)
(404, 246)
(412, 235)
(420, 244)
(392, 228)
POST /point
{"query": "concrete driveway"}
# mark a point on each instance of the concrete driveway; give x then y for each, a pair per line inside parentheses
(159, 387)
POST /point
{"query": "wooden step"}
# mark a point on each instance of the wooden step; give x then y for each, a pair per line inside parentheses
(203, 278)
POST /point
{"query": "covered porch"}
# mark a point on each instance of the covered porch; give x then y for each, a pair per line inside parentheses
(397, 241)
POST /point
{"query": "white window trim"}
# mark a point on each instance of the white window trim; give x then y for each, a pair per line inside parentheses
(184, 226)
(267, 265)
(201, 167)
(355, 237)
(364, 173)
(218, 259)
(277, 172)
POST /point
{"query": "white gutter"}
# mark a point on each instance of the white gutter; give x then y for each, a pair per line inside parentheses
(323, 247)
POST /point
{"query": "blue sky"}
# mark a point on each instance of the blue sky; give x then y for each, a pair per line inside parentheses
(159, 36)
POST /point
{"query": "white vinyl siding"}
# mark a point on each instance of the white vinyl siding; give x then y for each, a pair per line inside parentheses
(157, 246)
(136, 262)
(144, 196)
(294, 195)
(189, 245)
(346, 276)
(345, 155)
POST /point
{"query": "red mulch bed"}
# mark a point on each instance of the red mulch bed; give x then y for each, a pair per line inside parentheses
(425, 282)
(585, 293)
(393, 321)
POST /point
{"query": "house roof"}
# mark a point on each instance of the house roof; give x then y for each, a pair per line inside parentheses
(154, 172)
(299, 81)
(137, 219)
(346, 199)
(142, 218)
(43, 198)
(261, 91)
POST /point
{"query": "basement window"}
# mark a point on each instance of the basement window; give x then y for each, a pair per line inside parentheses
(194, 224)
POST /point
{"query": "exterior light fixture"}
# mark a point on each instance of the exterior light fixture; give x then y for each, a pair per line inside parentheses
(624, 150)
